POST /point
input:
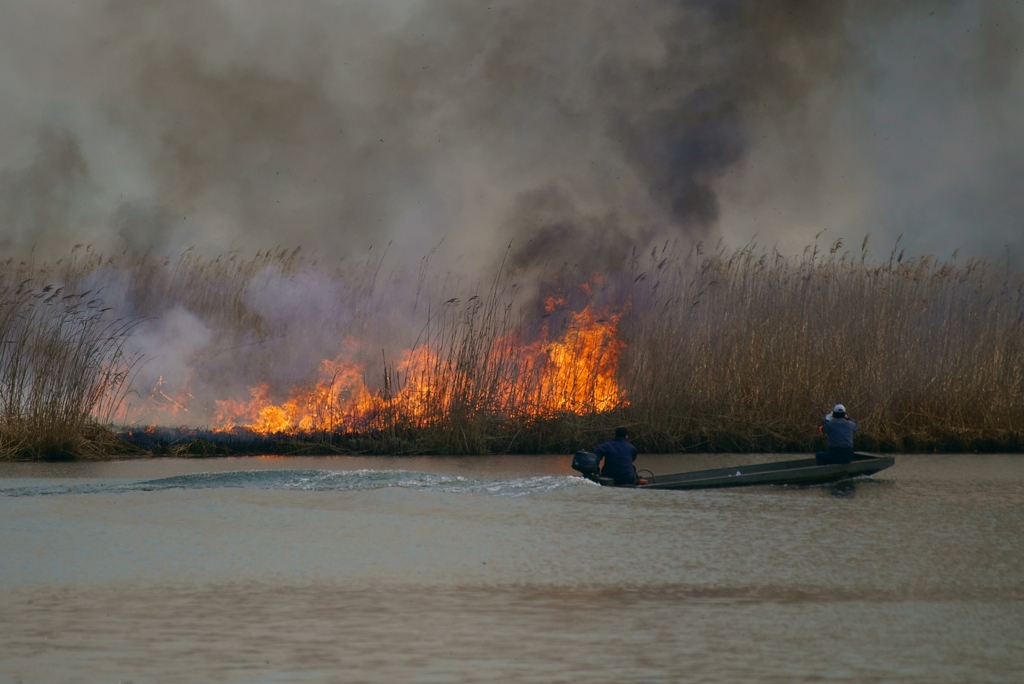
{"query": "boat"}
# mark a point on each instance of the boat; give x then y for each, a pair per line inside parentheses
(803, 471)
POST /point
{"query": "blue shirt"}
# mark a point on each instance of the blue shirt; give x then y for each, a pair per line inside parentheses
(840, 432)
(618, 458)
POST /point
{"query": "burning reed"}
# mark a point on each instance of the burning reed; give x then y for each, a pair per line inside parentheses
(728, 351)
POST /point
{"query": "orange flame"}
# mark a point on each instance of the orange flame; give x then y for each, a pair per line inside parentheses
(574, 373)
(581, 375)
(339, 399)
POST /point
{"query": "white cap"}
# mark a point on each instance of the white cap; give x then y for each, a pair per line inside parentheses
(838, 408)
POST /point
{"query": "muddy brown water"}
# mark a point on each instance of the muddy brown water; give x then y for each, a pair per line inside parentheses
(506, 569)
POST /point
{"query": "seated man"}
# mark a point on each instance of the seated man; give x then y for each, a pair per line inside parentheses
(618, 456)
(839, 429)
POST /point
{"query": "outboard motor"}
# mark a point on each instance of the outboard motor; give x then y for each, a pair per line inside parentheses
(586, 463)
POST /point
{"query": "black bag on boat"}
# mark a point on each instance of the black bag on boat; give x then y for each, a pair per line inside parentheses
(586, 463)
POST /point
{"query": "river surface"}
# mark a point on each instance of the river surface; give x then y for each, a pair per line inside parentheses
(506, 569)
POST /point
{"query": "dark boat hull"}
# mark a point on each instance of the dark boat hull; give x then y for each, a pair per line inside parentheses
(799, 472)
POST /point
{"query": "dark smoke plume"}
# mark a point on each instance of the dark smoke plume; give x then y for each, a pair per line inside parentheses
(676, 109)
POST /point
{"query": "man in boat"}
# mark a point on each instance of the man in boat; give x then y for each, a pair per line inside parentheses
(839, 429)
(618, 456)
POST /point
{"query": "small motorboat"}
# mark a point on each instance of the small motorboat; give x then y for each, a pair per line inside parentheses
(799, 472)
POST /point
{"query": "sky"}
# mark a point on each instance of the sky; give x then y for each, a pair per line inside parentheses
(570, 130)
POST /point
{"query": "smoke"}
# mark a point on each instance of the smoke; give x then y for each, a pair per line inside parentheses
(917, 136)
(244, 125)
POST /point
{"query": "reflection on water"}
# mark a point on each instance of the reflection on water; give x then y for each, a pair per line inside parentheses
(506, 569)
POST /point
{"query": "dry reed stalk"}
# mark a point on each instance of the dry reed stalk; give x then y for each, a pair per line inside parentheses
(62, 366)
(756, 346)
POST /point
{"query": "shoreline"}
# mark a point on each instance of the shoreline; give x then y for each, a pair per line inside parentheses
(156, 442)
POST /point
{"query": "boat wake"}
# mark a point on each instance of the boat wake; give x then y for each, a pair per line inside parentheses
(302, 480)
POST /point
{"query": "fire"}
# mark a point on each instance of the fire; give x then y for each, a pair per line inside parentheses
(573, 373)
(581, 373)
(338, 400)
(553, 303)
(421, 390)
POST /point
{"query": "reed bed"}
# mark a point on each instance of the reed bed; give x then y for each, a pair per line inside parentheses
(741, 350)
(749, 349)
(62, 368)
(732, 350)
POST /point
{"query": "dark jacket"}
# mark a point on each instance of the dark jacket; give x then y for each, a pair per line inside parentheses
(840, 432)
(618, 456)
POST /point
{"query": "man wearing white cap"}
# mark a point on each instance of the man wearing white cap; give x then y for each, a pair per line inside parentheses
(839, 429)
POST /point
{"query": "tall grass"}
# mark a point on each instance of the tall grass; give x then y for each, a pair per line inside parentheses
(62, 367)
(740, 350)
(749, 349)
(725, 351)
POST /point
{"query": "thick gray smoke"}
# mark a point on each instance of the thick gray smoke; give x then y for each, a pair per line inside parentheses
(574, 129)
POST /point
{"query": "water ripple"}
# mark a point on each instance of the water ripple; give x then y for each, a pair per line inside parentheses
(304, 480)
